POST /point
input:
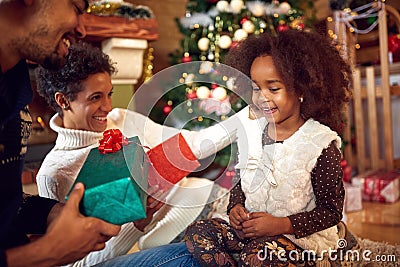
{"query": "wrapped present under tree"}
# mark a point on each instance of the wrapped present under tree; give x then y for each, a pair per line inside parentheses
(379, 186)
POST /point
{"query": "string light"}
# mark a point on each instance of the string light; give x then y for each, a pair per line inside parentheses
(348, 17)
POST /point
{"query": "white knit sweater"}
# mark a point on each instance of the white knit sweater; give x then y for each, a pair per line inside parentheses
(277, 178)
(63, 163)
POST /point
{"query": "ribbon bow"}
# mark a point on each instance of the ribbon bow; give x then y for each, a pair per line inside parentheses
(112, 141)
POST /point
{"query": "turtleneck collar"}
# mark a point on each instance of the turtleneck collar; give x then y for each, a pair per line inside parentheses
(70, 139)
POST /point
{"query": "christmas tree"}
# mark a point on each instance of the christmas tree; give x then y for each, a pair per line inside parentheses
(210, 28)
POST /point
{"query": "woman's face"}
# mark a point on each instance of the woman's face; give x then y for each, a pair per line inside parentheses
(90, 108)
(270, 95)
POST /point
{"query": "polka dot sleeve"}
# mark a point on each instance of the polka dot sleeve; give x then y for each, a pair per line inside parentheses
(326, 179)
(236, 194)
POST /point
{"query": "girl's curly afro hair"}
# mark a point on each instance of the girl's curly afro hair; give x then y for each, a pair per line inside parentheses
(83, 60)
(308, 64)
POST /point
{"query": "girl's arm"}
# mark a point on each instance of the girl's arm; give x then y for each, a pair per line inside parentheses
(326, 179)
(236, 195)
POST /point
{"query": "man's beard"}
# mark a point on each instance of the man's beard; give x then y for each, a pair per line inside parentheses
(53, 62)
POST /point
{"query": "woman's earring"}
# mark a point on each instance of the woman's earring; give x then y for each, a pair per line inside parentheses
(301, 99)
(65, 107)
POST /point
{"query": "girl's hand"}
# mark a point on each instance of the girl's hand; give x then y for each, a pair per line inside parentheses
(237, 216)
(264, 224)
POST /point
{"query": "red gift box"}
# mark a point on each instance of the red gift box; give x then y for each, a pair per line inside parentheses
(170, 162)
(379, 186)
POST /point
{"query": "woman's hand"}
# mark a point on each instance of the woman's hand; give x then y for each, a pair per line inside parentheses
(262, 224)
(153, 205)
(237, 216)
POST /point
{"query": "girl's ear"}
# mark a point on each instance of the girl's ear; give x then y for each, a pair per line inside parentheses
(61, 100)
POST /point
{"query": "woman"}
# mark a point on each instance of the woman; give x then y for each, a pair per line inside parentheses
(81, 94)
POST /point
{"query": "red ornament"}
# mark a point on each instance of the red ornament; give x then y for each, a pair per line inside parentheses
(394, 46)
(167, 109)
(347, 171)
(213, 86)
(300, 26)
(187, 59)
(282, 28)
(191, 95)
(343, 163)
(394, 42)
(243, 20)
(234, 44)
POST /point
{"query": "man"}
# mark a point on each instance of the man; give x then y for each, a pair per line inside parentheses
(42, 31)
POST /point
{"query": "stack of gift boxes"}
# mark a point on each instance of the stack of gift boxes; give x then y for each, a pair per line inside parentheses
(376, 186)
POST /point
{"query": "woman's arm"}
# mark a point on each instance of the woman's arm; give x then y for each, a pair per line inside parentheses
(203, 143)
(208, 141)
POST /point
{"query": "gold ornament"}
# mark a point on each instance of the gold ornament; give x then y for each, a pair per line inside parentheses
(148, 65)
(103, 9)
(295, 24)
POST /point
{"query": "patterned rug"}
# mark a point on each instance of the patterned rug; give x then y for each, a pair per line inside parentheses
(387, 254)
(382, 253)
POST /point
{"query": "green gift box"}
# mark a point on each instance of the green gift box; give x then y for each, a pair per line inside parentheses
(116, 184)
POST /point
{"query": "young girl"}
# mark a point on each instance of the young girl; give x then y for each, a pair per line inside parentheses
(290, 195)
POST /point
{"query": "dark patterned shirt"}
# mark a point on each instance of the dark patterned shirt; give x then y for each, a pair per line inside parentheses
(19, 214)
(326, 179)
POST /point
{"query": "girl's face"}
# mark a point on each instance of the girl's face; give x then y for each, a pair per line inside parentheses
(279, 105)
(90, 108)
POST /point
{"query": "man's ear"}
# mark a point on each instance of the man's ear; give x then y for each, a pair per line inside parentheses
(61, 100)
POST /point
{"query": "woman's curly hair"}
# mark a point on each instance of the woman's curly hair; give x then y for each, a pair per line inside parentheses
(308, 64)
(82, 61)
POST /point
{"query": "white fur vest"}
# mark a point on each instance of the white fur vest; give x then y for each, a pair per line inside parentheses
(276, 178)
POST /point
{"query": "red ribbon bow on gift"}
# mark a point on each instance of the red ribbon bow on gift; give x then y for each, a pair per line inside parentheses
(112, 141)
